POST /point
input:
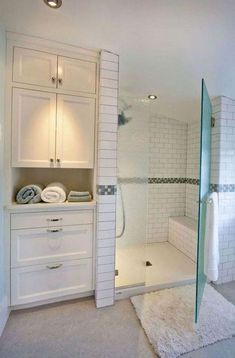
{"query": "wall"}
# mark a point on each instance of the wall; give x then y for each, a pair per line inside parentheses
(167, 172)
(189, 39)
(106, 179)
(3, 290)
(192, 172)
(223, 182)
(133, 156)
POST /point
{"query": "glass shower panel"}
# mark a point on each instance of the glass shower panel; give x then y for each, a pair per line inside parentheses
(204, 189)
(133, 149)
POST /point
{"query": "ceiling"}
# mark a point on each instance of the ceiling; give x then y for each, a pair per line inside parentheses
(165, 46)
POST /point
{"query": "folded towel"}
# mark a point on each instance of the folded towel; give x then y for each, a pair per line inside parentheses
(54, 193)
(211, 259)
(29, 194)
(79, 193)
(76, 196)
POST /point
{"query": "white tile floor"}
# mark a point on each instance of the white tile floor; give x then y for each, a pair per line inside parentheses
(169, 265)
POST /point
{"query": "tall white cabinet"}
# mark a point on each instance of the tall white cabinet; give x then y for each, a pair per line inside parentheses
(51, 108)
(53, 129)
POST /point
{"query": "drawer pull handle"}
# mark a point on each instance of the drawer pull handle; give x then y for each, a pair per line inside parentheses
(59, 219)
(54, 267)
(54, 230)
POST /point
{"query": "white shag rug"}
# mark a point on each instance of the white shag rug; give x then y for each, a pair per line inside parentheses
(167, 317)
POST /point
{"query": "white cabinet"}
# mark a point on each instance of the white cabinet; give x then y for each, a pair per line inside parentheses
(76, 75)
(51, 218)
(33, 128)
(34, 67)
(42, 282)
(44, 69)
(75, 115)
(53, 130)
(37, 246)
(50, 130)
(51, 255)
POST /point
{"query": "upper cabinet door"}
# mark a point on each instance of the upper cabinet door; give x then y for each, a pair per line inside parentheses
(33, 128)
(75, 132)
(34, 67)
(76, 75)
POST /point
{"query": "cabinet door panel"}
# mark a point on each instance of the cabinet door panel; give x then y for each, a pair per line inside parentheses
(75, 132)
(52, 280)
(76, 75)
(34, 67)
(37, 246)
(33, 128)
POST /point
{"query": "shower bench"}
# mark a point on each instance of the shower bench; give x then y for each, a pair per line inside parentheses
(183, 235)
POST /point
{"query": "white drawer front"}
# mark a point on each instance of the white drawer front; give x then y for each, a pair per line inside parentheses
(41, 282)
(51, 219)
(37, 246)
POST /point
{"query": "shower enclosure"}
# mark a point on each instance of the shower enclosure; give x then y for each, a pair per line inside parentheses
(156, 197)
(163, 188)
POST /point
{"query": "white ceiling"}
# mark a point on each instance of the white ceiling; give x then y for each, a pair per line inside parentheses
(165, 46)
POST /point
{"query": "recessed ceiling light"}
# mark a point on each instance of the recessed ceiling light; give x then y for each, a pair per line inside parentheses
(55, 4)
(152, 96)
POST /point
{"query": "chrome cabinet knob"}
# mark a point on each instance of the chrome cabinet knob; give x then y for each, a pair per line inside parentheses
(60, 81)
(53, 79)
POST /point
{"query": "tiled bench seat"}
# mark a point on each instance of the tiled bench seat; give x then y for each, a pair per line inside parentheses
(183, 235)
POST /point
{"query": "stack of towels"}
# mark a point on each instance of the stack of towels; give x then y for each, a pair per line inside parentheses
(52, 193)
(77, 196)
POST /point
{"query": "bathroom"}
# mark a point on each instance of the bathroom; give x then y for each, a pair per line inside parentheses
(118, 179)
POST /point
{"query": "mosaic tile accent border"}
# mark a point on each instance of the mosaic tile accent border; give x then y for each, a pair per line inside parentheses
(106, 189)
(192, 181)
(173, 181)
(222, 188)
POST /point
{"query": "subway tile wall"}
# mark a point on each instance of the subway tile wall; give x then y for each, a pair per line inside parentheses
(106, 179)
(223, 173)
(193, 156)
(167, 159)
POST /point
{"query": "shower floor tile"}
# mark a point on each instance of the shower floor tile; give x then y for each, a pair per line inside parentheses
(169, 265)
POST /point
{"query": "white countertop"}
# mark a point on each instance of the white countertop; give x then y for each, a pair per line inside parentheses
(14, 207)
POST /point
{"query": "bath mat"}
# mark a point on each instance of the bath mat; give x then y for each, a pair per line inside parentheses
(167, 318)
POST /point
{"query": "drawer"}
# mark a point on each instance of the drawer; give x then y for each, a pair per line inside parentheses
(49, 219)
(42, 282)
(38, 246)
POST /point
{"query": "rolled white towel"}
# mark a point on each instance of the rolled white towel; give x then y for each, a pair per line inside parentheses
(54, 193)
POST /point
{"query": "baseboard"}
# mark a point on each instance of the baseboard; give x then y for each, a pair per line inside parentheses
(53, 300)
(4, 314)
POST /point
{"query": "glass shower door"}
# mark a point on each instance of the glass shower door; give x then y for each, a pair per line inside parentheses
(204, 189)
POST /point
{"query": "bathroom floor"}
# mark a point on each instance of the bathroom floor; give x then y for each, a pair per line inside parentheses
(78, 329)
(169, 265)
